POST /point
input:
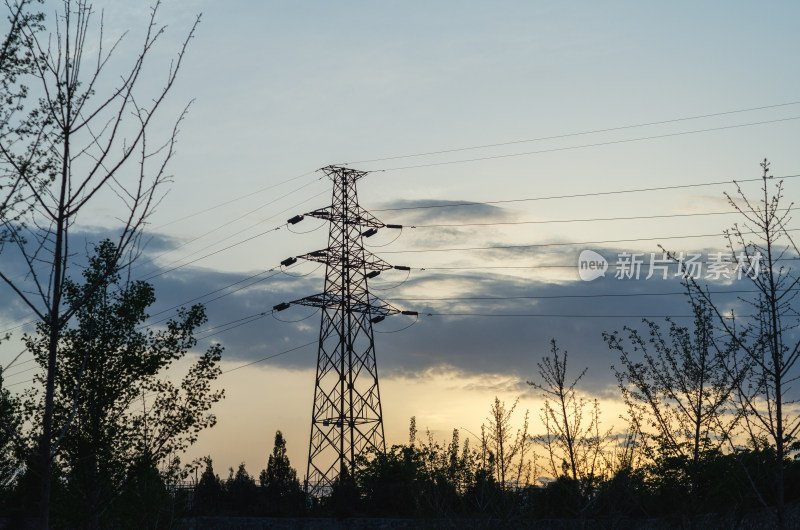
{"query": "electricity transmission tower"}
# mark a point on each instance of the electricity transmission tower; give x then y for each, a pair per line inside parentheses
(346, 420)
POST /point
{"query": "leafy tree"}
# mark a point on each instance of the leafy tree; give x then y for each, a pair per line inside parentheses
(418, 478)
(144, 502)
(484, 493)
(279, 479)
(208, 494)
(393, 481)
(428, 478)
(10, 431)
(763, 346)
(241, 491)
(119, 413)
(678, 395)
(345, 497)
(445, 475)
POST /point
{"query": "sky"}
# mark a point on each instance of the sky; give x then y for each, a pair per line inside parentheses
(445, 103)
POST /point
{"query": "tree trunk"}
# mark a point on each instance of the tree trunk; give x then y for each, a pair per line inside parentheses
(47, 420)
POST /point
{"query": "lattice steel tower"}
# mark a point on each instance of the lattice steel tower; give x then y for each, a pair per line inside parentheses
(346, 419)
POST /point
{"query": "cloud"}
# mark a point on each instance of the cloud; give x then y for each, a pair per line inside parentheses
(496, 324)
(156, 242)
(703, 203)
(428, 211)
(458, 329)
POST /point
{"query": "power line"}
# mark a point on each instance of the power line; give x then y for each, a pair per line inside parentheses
(270, 357)
(238, 322)
(257, 316)
(166, 269)
(662, 188)
(450, 205)
(18, 326)
(225, 294)
(198, 298)
(570, 243)
(582, 133)
(216, 291)
(487, 267)
(597, 144)
(419, 268)
(279, 354)
(17, 365)
(161, 273)
(457, 268)
(257, 361)
(207, 209)
(611, 264)
(472, 204)
(5, 376)
(434, 268)
(231, 201)
(577, 195)
(566, 296)
(231, 222)
(229, 246)
(205, 303)
(552, 221)
(547, 315)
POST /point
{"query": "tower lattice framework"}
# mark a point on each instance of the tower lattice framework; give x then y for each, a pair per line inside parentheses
(346, 419)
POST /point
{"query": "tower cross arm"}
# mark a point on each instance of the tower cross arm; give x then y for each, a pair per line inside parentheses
(357, 216)
(365, 262)
(376, 306)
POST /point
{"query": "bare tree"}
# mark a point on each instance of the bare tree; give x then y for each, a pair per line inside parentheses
(16, 63)
(500, 440)
(94, 146)
(763, 346)
(525, 468)
(571, 438)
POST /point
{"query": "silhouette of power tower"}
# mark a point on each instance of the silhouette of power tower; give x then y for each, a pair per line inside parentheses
(346, 419)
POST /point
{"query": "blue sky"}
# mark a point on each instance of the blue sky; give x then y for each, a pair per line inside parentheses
(281, 89)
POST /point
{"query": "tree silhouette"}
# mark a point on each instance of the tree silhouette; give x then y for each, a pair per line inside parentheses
(119, 413)
(679, 397)
(208, 494)
(279, 478)
(281, 488)
(502, 442)
(10, 432)
(17, 63)
(762, 348)
(574, 443)
(68, 151)
(241, 491)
